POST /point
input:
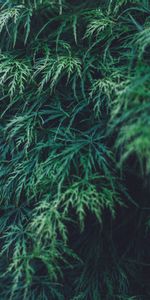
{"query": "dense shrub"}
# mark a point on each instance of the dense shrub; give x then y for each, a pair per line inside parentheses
(74, 149)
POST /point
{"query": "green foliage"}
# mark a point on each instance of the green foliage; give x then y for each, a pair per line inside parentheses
(14, 75)
(53, 68)
(74, 148)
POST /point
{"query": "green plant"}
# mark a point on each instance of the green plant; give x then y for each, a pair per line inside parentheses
(74, 149)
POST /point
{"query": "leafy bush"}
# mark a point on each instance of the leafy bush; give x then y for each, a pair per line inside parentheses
(75, 147)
